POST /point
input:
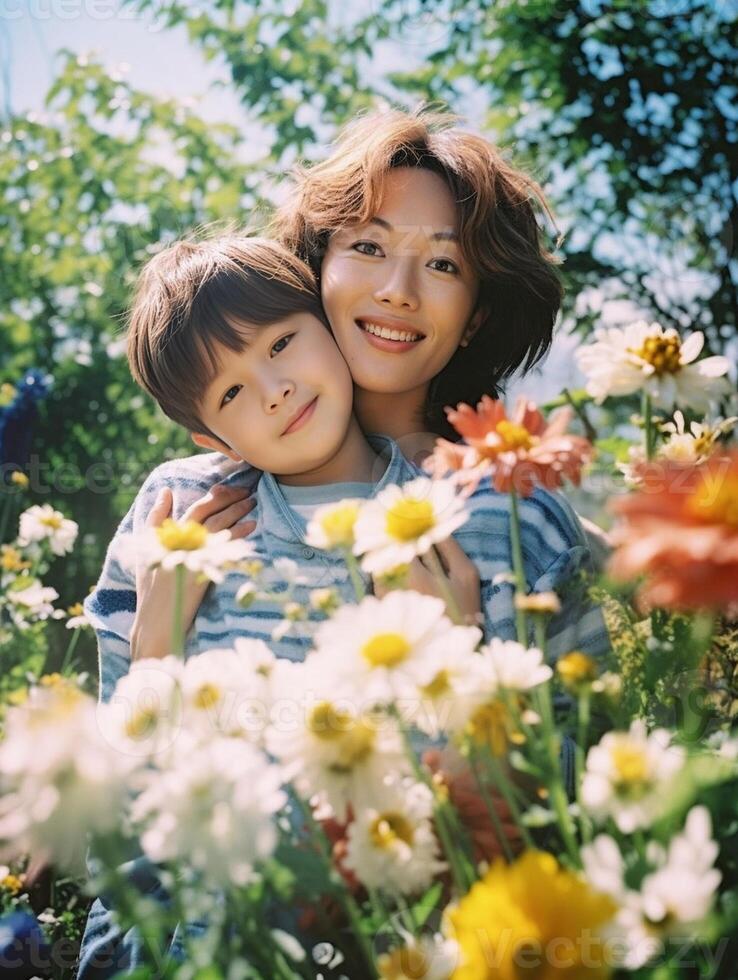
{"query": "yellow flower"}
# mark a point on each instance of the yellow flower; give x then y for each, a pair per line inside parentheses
(332, 526)
(538, 602)
(7, 394)
(11, 559)
(531, 918)
(576, 670)
(20, 479)
(11, 883)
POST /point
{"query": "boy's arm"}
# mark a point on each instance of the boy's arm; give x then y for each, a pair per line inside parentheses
(111, 606)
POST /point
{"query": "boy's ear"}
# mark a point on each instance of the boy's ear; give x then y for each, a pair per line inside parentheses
(208, 442)
(471, 328)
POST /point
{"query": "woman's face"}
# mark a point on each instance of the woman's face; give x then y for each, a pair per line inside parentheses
(397, 290)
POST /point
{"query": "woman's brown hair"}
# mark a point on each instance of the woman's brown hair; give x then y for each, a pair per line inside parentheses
(519, 286)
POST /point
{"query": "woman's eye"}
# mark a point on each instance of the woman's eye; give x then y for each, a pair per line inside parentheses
(226, 399)
(366, 244)
(279, 345)
(447, 262)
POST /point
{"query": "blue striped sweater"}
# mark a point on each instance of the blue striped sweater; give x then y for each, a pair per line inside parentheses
(554, 548)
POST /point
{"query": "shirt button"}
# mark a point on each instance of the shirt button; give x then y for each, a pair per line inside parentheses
(308, 553)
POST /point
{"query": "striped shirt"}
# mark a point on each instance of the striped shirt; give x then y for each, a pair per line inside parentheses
(554, 547)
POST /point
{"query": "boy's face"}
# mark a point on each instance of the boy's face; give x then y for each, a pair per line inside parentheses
(284, 403)
(401, 272)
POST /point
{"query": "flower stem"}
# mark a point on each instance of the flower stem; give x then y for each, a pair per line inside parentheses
(177, 627)
(354, 574)
(649, 431)
(583, 716)
(503, 782)
(452, 605)
(491, 809)
(70, 650)
(518, 566)
(344, 896)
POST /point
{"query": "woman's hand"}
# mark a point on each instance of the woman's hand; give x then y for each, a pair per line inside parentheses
(463, 791)
(462, 579)
(220, 509)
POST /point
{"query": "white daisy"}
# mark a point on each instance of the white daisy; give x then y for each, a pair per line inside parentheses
(401, 523)
(627, 773)
(329, 746)
(392, 845)
(682, 890)
(43, 523)
(444, 703)
(28, 601)
(512, 666)
(231, 691)
(143, 718)
(385, 648)
(185, 543)
(332, 526)
(212, 808)
(60, 779)
(645, 356)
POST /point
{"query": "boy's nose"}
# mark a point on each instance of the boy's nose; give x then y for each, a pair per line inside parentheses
(278, 394)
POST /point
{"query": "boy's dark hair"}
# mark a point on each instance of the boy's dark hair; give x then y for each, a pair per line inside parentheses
(195, 293)
(499, 236)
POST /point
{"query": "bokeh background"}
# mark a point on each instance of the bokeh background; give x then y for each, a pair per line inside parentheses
(124, 123)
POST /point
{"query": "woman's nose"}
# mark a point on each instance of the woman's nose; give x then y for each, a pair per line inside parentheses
(398, 288)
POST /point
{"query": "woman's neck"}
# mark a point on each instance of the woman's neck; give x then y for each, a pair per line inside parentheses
(399, 416)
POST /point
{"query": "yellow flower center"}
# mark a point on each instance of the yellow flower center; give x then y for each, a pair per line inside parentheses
(662, 352)
(631, 768)
(408, 519)
(404, 963)
(716, 499)
(142, 724)
(76, 610)
(338, 525)
(386, 650)
(206, 696)
(388, 828)
(182, 537)
(513, 435)
(353, 738)
(576, 668)
(488, 726)
(438, 686)
(54, 521)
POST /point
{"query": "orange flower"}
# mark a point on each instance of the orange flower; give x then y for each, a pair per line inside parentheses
(681, 531)
(518, 453)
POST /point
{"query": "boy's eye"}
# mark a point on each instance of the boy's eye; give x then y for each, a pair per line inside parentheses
(447, 262)
(279, 345)
(226, 399)
(366, 244)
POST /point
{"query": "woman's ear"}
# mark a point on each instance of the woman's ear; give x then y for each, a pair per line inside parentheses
(471, 328)
(208, 442)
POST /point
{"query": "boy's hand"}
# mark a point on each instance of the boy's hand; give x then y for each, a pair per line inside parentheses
(462, 577)
(464, 793)
(218, 510)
